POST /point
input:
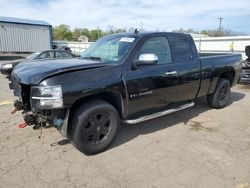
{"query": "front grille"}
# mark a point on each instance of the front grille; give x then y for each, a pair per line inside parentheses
(14, 85)
(20, 90)
(25, 95)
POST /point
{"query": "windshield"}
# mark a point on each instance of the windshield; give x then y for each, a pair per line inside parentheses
(110, 48)
(33, 56)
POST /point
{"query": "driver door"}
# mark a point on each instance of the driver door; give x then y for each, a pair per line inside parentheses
(153, 86)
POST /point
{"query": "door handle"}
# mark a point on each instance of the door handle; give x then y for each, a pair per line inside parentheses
(171, 73)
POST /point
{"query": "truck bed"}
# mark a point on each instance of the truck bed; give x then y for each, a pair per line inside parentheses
(205, 55)
(217, 63)
(219, 58)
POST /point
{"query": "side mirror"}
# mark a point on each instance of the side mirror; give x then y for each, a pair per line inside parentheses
(147, 59)
(247, 51)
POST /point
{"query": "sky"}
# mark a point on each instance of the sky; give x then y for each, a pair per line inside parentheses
(162, 15)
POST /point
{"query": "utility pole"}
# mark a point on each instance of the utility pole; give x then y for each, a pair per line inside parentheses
(220, 25)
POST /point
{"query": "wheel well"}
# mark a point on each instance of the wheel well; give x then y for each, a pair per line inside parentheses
(229, 76)
(112, 98)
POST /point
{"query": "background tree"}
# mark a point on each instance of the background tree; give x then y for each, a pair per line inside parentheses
(110, 29)
(181, 30)
(94, 35)
(76, 34)
(62, 32)
(85, 32)
(131, 30)
(120, 30)
(210, 32)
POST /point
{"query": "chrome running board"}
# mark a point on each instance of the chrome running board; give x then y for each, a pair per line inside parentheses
(158, 114)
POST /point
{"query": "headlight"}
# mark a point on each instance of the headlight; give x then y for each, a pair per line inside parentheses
(46, 97)
(7, 66)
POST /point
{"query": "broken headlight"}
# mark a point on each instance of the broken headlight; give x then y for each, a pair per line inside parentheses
(46, 97)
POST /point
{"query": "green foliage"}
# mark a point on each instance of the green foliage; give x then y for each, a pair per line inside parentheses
(62, 32)
(181, 30)
(94, 34)
(85, 32)
(120, 31)
(76, 34)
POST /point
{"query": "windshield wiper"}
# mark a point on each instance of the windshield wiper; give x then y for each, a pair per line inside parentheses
(92, 58)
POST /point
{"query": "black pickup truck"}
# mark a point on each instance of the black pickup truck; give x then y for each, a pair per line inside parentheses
(127, 78)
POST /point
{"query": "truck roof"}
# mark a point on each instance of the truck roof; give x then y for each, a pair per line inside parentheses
(143, 34)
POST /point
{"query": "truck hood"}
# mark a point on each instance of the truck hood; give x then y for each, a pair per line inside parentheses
(33, 72)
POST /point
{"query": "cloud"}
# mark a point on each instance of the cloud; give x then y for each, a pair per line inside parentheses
(151, 14)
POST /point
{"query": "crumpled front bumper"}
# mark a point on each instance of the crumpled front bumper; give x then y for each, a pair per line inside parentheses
(56, 117)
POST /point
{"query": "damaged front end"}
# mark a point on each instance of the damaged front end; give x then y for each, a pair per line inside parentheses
(40, 105)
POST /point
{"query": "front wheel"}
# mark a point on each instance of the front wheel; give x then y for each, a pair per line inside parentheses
(95, 125)
(220, 97)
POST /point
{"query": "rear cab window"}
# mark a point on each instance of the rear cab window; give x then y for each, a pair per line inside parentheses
(181, 48)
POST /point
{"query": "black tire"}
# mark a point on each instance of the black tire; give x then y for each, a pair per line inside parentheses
(220, 97)
(94, 126)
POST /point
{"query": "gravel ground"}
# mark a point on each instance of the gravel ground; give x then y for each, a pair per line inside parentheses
(197, 147)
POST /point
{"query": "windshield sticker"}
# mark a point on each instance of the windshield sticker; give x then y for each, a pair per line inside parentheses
(124, 39)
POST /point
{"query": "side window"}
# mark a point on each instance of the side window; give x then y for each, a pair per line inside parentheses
(182, 49)
(46, 55)
(158, 46)
(63, 55)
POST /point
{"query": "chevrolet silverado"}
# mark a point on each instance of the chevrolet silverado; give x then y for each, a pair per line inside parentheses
(124, 77)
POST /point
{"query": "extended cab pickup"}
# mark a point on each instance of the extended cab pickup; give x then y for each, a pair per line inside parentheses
(122, 77)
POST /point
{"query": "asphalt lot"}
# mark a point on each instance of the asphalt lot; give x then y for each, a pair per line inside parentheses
(197, 147)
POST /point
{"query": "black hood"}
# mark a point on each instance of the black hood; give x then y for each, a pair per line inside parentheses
(32, 73)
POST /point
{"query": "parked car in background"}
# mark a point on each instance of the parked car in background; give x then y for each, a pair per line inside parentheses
(60, 47)
(7, 68)
(245, 73)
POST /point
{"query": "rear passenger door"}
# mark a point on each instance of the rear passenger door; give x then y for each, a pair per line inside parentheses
(186, 59)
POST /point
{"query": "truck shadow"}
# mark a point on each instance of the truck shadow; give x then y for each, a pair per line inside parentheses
(129, 132)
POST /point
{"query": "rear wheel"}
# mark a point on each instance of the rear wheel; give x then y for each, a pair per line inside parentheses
(95, 125)
(220, 97)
